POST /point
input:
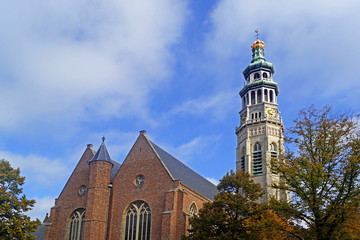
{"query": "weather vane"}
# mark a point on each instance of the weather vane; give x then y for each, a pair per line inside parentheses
(257, 31)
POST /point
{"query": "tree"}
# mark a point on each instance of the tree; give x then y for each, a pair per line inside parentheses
(235, 214)
(322, 175)
(14, 224)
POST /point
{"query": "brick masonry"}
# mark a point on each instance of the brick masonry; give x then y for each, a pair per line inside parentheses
(106, 207)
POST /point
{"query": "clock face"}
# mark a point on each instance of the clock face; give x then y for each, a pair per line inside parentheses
(82, 190)
(271, 112)
(139, 181)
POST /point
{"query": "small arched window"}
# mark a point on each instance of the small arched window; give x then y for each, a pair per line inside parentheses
(271, 96)
(266, 95)
(77, 224)
(265, 75)
(257, 159)
(259, 97)
(193, 211)
(252, 97)
(257, 147)
(256, 76)
(138, 221)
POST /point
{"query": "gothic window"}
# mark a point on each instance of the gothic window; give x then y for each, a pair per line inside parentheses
(138, 221)
(77, 224)
(265, 75)
(259, 96)
(242, 159)
(257, 159)
(266, 95)
(271, 96)
(193, 211)
(256, 76)
(273, 154)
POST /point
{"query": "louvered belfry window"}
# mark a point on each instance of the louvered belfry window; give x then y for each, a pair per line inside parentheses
(138, 221)
(257, 159)
(77, 224)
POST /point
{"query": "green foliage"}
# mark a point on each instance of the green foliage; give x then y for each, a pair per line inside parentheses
(323, 175)
(235, 214)
(14, 224)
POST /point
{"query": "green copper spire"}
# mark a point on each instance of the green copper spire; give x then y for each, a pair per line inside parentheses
(258, 61)
(258, 51)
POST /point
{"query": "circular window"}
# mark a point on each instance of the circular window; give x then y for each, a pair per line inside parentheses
(82, 190)
(139, 181)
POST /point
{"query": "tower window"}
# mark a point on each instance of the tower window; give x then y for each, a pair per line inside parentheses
(271, 96)
(256, 76)
(77, 224)
(259, 100)
(242, 159)
(266, 95)
(257, 159)
(138, 221)
(274, 155)
(252, 97)
(265, 75)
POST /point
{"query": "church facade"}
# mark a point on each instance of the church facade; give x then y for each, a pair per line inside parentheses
(152, 195)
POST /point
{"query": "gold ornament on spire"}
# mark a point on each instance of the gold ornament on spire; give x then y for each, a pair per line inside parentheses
(258, 43)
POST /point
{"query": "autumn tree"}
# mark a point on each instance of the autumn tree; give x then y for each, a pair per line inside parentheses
(236, 214)
(14, 224)
(322, 175)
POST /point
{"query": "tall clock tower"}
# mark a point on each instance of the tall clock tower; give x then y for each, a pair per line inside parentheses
(260, 134)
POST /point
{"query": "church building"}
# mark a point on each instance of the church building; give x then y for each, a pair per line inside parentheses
(151, 194)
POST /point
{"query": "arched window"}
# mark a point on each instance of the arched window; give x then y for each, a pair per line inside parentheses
(257, 159)
(265, 75)
(274, 155)
(193, 211)
(77, 224)
(271, 96)
(259, 100)
(252, 97)
(138, 221)
(266, 95)
(256, 76)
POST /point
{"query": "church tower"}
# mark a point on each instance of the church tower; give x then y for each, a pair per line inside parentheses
(260, 134)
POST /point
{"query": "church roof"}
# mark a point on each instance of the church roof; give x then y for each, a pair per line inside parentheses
(186, 175)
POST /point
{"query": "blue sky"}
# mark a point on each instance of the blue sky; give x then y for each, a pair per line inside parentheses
(73, 71)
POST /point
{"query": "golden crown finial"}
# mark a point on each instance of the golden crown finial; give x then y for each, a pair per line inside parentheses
(258, 43)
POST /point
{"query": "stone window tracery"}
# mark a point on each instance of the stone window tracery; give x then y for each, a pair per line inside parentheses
(193, 211)
(138, 221)
(77, 224)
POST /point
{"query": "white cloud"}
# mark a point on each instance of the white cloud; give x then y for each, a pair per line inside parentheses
(74, 59)
(214, 106)
(193, 149)
(37, 169)
(213, 180)
(41, 207)
(309, 41)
